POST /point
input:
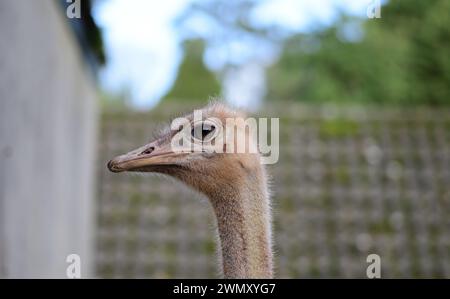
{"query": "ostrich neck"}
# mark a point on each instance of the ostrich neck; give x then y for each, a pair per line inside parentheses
(244, 224)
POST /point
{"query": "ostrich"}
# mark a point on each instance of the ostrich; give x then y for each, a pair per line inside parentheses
(236, 185)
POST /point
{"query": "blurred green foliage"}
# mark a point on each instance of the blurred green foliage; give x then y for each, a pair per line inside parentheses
(401, 58)
(194, 81)
(338, 128)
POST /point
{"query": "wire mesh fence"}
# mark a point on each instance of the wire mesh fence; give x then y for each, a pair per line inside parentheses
(349, 182)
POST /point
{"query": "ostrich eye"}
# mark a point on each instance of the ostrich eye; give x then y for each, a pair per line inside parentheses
(201, 131)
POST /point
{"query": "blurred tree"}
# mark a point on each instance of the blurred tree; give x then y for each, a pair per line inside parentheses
(431, 50)
(401, 58)
(194, 82)
(93, 32)
(225, 29)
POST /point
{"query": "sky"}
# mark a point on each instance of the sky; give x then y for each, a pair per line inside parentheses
(144, 48)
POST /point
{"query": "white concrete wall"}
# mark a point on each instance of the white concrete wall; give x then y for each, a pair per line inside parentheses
(48, 124)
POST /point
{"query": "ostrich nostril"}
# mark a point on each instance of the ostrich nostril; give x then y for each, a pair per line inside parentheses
(148, 151)
(110, 166)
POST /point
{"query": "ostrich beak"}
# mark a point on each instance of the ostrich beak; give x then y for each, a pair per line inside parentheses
(144, 158)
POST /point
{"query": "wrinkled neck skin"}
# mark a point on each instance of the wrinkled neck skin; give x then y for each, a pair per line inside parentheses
(244, 225)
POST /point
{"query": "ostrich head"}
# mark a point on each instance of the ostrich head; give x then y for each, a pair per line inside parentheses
(202, 168)
(232, 177)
